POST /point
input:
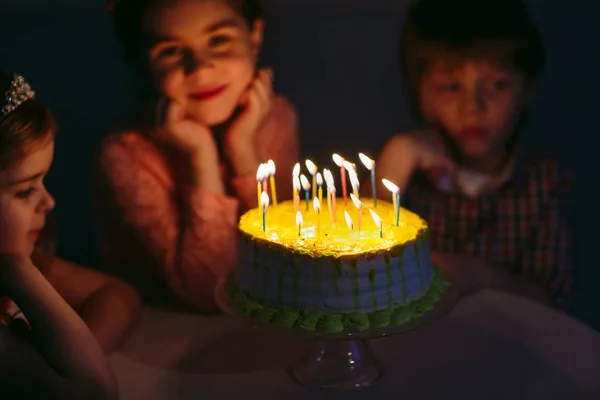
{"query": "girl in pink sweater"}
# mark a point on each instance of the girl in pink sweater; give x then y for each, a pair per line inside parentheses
(171, 190)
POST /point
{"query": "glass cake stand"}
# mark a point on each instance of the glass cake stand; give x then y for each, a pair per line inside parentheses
(344, 360)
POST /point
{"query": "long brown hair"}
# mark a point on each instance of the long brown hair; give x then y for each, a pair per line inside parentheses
(27, 128)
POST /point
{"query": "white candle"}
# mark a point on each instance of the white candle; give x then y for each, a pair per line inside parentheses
(270, 168)
(299, 221)
(359, 206)
(370, 165)
(264, 200)
(339, 161)
(378, 222)
(306, 186)
(312, 169)
(395, 197)
(317, 208)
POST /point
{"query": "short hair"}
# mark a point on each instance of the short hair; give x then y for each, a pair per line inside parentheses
(498, 30)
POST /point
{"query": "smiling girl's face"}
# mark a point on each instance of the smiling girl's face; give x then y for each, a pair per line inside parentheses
(202, 54)
(24, 201)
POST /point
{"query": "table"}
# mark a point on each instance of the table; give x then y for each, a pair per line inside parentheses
(492, 346)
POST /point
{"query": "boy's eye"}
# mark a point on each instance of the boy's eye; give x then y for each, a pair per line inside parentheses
(501, 84)
(25, 194)
(172, 51)
(219, 40)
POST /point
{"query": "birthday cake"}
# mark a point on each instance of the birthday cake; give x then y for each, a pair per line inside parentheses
(334, 269)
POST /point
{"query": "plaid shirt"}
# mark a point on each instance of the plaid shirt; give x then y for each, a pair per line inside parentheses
(523, 227)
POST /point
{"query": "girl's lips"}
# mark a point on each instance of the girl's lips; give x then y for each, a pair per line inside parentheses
(207, 94)
(473, 132)
(34, 234)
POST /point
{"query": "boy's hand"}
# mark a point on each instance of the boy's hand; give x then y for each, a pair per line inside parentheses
(407, 153)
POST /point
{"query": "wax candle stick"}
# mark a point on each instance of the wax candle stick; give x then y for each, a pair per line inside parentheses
(320, 187)
(395, 190)
(329, 207)
(299, 221)
(317, 208)
(297, 188)
(378, 222)
(370, 165)
(259, 179)
(296, 176)
(306, 186)
(312, 169)
(271, 171)
(339, 161)
(359, 206)
(264, 200)
(330, 192)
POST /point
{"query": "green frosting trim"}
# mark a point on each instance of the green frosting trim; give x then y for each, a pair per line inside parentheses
(243, 305)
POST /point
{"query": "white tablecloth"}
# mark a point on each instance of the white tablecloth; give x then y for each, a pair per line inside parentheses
(491, 346)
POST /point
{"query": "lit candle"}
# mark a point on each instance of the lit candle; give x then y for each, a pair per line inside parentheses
(296, 174)
(370, 165)
(264, 175)
(354, 182)
(330, 193)
(297, 187)
(378, 222)
(264, 200)
(320, 186)
(299, 221)
(348, 220)
(259, 179)
(306, 186)
(395, 196)
(312, 169)
(317, 208)
(359, 206)
(271, 171)
(339, 161)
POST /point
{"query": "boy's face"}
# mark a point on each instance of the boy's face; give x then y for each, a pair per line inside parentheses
(24, 201)
(203, 56)
(475, 102)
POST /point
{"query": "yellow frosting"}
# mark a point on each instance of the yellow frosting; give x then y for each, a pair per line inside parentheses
(337, 239)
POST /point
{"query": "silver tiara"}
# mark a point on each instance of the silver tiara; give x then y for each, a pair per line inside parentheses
(19, 92)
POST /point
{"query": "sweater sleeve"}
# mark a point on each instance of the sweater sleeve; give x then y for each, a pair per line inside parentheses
(190, 236)
(277, 141)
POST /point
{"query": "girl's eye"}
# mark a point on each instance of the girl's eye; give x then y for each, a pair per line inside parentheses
(217, 41)
(25, 194)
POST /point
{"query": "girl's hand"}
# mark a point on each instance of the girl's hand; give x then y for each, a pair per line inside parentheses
(256, 105)
(174, 127)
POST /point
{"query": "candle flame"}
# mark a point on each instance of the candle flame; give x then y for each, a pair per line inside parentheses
(354, 179)
(328, 177)
(376, 218)
(368, 163)
(296, 170)
(316, 204)
(296, 183)
(349, 166)
(390, 186)
(260, 173)
(312, 168)
(331, 189)
(319, 179)
(356, 201)
(270, 167)
(337, 159)
(299, 220)
(264, 199)
(305, 183)
(348, 220)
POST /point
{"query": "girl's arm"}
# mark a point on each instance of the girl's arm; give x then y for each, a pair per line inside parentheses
(277, 141)
(65, 361)
(108, 306)
(190, 237)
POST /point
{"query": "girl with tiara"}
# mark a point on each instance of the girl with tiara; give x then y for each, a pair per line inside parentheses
(46, 348)
(171, 191)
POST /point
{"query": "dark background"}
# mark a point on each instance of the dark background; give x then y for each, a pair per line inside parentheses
(336, 61)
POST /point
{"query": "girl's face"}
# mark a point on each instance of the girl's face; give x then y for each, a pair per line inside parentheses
(24, 201)
(477, 104)
(203, 55)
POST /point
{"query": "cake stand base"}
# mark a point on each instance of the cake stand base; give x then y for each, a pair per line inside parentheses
(338, 365)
